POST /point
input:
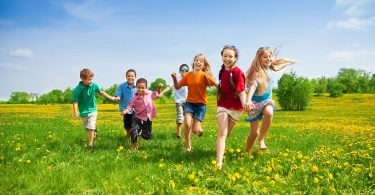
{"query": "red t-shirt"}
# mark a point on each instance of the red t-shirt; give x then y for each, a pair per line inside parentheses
(229, 99)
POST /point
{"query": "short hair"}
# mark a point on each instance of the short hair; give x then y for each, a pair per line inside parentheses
(131, 70)
(183, 65)
(141, 80)
(86, 73)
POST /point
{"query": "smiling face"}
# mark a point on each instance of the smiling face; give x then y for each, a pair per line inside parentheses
(130, 77)
(87, 81)
(229, 58)
(141, 88)
(266, 58)
(199, 63)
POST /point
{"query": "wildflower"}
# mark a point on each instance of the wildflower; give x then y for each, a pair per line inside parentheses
(265, 190)
(191, 176)
(161, 165)
(238, 150)
(316, 180)
(172, 184)
(314, 169)
(18, 148)
(330, 176)
(28, 161)
(230, 150)
(20, 160)
(276, 177)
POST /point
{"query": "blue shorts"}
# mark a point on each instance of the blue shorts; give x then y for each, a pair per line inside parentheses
(197, 109)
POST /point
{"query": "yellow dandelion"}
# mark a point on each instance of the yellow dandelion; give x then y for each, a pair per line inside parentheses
(316, 180)
(276, 177)
(269, 169)
(238, 150)
(213, 162)
(20, 160)
(191, 176)
(18, 148)
(265, 190)
(357, 169)
(172, 184)
(330, 176)
(161, 165)
(28, 161)
(314, 169)
(230, 150)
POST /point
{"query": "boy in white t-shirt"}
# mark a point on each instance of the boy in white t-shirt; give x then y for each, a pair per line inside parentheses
(179, 99)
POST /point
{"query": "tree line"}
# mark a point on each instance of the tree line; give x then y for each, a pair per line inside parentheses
(292, 90)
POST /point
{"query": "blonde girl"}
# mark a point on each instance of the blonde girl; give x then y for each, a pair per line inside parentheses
(230, 100)
(259, 103)
(197, 81)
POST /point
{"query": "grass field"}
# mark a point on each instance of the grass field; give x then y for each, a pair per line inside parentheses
(328, 149)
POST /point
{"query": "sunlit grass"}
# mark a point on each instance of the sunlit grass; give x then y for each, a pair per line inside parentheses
(329, 148)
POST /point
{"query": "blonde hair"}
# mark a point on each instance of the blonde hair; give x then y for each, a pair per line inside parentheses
(258, 72)
(207, 66)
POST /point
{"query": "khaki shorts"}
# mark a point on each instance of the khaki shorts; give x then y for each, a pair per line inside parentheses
(234, 114)
(89, 122)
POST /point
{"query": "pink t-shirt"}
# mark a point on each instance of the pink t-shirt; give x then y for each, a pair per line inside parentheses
(144, 105)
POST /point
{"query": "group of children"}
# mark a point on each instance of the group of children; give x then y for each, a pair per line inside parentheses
(237, 92)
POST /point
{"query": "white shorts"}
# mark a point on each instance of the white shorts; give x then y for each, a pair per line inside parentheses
(89, 122)
(234, 114)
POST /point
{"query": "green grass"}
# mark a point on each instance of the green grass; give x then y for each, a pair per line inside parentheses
(328, 148)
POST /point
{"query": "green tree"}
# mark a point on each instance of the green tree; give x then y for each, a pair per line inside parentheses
(294, 93)
(68, 95)
(19, 97)
(320, 85)
(335, 88)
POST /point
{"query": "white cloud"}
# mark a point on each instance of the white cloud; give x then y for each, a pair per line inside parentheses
(21, 53)
(89, 10)
(352, 23)
(349, 56)
(16, 67)
(354, 14)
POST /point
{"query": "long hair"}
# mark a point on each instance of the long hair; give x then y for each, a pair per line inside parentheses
(259, 72)
(207, 65)
(219, 92)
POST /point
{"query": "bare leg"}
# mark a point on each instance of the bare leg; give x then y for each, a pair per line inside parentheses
(254, 126)
(188, 124)
(91, 136)
(226, 125)
(178, 130)
(267, 120)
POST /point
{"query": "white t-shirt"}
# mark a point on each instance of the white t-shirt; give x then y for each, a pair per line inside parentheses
(180, 95)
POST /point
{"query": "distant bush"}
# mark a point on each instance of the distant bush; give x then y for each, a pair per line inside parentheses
(294, 93)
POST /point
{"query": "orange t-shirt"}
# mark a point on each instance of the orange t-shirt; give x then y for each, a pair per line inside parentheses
(197, 82)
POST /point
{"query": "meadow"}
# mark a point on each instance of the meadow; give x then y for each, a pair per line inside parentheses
(327, 149)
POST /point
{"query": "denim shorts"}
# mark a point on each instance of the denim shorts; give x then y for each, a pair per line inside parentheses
(197, 109)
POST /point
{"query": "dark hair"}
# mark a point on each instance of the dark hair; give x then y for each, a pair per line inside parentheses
(232, 82)
(86, 73)
(131, 70)
(141, 80)
(183, 65)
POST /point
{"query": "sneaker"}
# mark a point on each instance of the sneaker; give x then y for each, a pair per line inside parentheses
(200, 133)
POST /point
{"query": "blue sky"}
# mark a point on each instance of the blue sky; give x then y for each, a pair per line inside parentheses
(45, 43)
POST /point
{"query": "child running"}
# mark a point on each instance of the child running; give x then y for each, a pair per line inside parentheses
(259, 101)
(84, 100)
(126, 91)
(197, 81)
(143, 105)
(179, 99)
(230, 100)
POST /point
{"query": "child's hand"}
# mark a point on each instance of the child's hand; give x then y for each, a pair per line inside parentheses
(126, 111)
(116, 99)
(76, 115)
(173, 75)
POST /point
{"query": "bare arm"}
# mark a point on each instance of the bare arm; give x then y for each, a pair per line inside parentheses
(249, 104)
(164, 91)
(175, 83)
(103, 93)
(75, 110)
